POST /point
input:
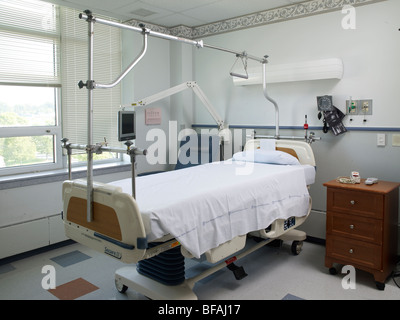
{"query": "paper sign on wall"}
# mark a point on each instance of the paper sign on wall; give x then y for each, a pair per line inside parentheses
(153, 116)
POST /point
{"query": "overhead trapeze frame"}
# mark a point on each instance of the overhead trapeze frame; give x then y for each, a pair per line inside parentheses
(91, 85)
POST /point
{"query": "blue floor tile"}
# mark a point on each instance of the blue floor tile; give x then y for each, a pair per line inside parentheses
(70, 258)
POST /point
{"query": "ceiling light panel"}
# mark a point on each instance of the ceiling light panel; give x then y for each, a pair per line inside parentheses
(141, 8)
(143, 12)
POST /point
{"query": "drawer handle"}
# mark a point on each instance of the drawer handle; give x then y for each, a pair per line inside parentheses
(352, 226)
(353, 202)
(351, 251)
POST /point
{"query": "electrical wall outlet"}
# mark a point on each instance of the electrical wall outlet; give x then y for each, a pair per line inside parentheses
(365, 107)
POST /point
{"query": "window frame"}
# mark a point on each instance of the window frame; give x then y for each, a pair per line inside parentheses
(20, 30)
(57, 130)
(32, 131)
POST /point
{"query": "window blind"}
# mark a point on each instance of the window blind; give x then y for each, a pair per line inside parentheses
(74, 67)
(29, 28)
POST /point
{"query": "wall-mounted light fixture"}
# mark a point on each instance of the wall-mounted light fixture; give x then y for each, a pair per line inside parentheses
(297, 71)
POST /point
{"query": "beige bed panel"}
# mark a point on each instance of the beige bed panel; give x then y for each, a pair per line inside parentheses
(117, 226)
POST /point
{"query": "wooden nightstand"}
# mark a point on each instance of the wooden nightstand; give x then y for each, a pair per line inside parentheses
(361, 227)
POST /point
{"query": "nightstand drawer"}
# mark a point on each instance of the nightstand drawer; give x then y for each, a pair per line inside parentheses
(356, 202)
(355, 227)
(354, 252)
(361, 227)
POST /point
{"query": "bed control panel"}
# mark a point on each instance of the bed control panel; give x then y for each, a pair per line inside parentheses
(289, 223)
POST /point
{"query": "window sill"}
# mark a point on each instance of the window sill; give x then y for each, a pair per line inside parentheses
(24, 180)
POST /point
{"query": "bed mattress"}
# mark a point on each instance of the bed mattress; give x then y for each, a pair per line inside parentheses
(210, 204)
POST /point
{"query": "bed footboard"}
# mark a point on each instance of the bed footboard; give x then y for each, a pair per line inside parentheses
(117, 227)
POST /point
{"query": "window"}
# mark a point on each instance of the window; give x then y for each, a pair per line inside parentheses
(29, 87)
(28, 120)
(43, 56)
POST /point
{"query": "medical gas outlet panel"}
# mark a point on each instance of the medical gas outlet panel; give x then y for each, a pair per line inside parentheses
(359, 107)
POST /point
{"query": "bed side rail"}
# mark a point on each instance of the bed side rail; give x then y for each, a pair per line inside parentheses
(117, 228)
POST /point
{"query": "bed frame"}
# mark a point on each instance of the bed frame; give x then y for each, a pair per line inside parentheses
(117, 230)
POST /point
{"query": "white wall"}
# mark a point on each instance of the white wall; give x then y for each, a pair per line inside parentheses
(151, 75)
(181, 71)
(30, 216)
(166, 64)
(370, 54)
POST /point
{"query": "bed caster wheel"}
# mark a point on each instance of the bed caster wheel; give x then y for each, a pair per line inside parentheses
(121, 288)
(380, 286)
(296, 247)
(333, 271)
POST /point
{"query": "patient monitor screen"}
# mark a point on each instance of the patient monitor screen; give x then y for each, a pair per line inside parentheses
(126, 125)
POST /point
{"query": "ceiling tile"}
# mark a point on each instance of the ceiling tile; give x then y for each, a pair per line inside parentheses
(170, 13)
(177, 19)
(177, 5)
(104, 5)
(226, 9)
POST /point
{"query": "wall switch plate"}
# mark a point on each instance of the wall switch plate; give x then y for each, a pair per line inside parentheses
(381, 140)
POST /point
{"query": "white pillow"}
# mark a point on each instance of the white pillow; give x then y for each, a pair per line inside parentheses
(266, 156)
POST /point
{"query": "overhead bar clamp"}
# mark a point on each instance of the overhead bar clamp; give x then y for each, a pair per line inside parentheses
(87, 16)
(133, 152)
(67, 146)
(100, 148)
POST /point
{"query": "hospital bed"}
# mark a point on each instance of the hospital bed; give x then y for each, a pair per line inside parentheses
(210, 211)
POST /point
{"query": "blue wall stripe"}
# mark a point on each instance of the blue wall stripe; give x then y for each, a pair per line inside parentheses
(386, 129)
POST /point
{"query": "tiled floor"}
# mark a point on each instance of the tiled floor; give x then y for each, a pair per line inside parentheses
(273, 274)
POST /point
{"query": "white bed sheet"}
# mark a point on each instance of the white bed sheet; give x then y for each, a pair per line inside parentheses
(210, 204)
(309, 172)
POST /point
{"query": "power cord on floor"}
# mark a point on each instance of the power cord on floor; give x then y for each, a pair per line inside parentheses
(396, 274)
